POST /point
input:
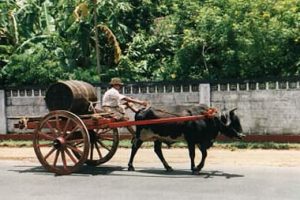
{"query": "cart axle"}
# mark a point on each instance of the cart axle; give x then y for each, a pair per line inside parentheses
(59, 142)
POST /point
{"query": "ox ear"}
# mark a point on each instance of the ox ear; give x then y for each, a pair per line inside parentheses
(225, 119)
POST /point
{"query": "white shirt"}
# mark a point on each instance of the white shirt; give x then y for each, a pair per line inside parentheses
(112, 98)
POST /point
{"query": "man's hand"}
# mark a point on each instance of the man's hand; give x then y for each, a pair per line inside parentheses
(144, 103)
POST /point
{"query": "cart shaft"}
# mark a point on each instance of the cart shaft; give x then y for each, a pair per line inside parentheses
(110, 124)
(96, 123)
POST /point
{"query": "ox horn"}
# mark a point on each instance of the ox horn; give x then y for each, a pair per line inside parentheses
(232, 111)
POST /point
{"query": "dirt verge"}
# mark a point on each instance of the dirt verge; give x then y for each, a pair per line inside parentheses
(286, 158)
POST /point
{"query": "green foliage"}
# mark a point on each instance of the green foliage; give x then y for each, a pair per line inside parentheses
(242, 39)
(40, 41)
(149, 57)
(36, 65)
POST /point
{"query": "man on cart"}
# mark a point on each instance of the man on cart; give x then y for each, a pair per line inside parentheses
(114, 102)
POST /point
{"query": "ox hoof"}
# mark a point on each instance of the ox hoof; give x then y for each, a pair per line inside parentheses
(169, 169)
(131, 168)
(195, 172)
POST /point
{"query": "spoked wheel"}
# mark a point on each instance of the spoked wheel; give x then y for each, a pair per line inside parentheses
(58, 137)
(103, 145)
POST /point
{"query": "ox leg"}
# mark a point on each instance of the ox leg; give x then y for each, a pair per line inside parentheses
(135, 146)
(203, 150)
(191, 147)
(158, 151)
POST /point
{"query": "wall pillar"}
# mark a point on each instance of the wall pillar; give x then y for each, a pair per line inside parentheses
(3, 124)
(204, 94)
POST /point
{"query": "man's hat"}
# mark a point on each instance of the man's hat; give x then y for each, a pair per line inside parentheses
(116, 81)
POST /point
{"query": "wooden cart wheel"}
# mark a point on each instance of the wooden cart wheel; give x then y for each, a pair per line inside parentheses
(60, 134)
(103, 145)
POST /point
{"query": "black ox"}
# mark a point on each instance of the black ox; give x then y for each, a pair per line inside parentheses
(201, 133)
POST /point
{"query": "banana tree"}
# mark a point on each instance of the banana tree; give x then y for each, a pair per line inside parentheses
(9, 36)
(72, 25)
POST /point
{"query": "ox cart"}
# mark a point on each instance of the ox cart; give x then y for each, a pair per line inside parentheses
(73, 133)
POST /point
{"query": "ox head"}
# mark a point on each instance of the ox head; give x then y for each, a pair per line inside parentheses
(231, 126)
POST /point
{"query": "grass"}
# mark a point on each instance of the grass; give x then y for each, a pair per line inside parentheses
(15, 143)
(257, 145)
(221, 145)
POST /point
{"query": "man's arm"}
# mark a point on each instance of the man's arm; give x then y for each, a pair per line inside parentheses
(129, 99)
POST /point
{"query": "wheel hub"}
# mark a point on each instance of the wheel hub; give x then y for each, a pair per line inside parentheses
(59, 142)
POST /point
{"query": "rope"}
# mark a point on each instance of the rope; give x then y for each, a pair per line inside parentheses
(209, 113)
(92, 108)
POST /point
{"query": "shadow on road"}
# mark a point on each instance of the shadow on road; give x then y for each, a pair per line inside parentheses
(188, 173)
(85, 170)
(121, 171)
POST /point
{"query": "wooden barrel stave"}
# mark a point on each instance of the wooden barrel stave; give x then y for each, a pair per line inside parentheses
(72, 95)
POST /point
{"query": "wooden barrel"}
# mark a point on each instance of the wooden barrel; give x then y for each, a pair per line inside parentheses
(74, 96)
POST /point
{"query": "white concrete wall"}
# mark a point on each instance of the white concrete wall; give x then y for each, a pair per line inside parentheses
(19, 103)
(263, 111)
(264, 108)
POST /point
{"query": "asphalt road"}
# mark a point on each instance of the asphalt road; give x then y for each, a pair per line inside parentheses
(22, 180)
